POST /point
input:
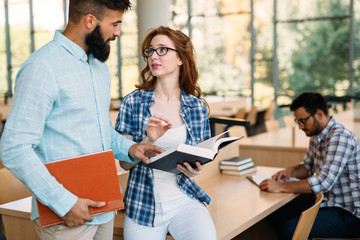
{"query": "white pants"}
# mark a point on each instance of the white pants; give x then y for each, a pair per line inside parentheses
(83, 232)
(183, 218)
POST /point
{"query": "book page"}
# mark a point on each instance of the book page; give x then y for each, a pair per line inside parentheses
(211, 142)
(257, 179)
(216, 143)
(223, 142)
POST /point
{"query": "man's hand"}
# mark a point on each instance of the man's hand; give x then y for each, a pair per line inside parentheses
(79, 213)
(282, 175)
(270, 185)
(143, 151)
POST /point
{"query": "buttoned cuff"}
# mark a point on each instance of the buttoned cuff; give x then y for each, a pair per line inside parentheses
(64, 204)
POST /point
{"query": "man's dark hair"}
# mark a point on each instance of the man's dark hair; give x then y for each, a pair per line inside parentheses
(80, 8)
(311, 101)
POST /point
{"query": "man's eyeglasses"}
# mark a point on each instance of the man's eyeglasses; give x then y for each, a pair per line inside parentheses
(160, 51)
(301, 122)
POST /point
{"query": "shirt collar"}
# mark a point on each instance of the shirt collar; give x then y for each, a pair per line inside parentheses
(148, 97)
(71, 47)
(326, 130)
(186, 100)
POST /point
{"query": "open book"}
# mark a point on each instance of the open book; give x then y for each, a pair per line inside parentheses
(257, 179)
(203, 152)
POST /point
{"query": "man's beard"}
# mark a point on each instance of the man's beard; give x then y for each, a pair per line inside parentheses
(316, 129)
(97, 45)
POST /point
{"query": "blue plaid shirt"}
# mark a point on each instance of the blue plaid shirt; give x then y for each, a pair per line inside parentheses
(334, 157)
(133, 118)
(60, 109)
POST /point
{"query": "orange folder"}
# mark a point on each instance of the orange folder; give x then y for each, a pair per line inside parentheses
(91, 176)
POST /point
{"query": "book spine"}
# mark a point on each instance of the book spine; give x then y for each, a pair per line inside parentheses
(237, 168)
(239, 173)
(235, 162)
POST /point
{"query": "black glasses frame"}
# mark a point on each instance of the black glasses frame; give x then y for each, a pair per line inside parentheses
(148, 52)
(302, 122)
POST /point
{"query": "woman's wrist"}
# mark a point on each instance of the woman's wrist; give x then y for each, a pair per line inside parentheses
(147, 140)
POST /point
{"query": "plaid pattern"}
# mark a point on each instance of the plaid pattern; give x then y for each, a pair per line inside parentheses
(60, 109)
(334, 158)
(133, 118)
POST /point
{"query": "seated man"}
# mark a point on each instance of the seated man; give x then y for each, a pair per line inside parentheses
(331, 166)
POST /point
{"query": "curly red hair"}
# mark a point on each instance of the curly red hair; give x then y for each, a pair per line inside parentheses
(188, 71)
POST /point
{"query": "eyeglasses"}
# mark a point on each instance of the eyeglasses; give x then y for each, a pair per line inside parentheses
(160, 51)
(301, 122)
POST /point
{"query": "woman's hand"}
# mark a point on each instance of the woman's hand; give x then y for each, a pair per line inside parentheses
(188, 170)
(157, 127)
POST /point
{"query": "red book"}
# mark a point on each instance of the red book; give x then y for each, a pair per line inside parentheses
(91, 176)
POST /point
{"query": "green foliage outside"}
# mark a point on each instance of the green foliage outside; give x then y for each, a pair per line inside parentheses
(318, 62)
(321, 61)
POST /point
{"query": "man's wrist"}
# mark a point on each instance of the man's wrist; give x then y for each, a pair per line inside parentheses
(132, 159)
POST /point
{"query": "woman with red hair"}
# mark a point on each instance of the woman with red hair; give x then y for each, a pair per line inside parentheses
(166, 110)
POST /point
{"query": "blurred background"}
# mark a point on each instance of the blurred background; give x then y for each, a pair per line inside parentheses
(265, 51)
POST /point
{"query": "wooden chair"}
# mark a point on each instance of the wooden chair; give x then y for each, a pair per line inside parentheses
(272, 125)
(251, 116)
(307, 219)
(241, 112)
(339, 108)
(349, 105)
(288, 120)
(237, 131)
(269, 113)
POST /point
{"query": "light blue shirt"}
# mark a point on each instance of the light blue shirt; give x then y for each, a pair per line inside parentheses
(60, 109)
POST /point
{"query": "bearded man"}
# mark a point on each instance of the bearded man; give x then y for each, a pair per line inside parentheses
(60, 110)
(331, 166)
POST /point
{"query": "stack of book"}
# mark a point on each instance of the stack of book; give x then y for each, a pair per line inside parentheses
(237, 166)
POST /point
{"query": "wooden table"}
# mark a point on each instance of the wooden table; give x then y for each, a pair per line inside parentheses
(16, 220)
(282, 148)
(237, 204)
